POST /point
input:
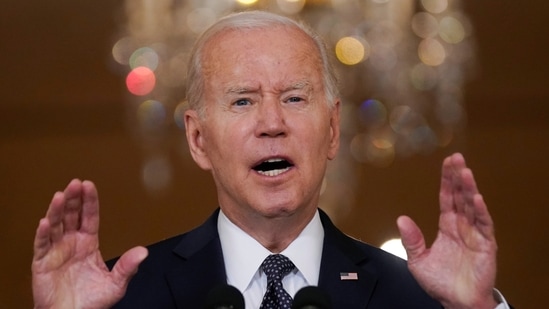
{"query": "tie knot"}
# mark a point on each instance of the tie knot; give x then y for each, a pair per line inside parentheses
(276, 266)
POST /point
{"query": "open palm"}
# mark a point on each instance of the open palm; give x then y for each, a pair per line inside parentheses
(67, 267)
(459, 268)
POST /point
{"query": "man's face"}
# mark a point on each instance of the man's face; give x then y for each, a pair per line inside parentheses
(267, 131)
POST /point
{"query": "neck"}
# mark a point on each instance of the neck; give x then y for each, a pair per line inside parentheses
(274, 233)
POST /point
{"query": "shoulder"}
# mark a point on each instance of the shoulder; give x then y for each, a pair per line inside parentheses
(179, 246)
(153, 284)
(389, 281)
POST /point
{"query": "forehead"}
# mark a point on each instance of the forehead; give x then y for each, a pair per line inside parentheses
(275, 53)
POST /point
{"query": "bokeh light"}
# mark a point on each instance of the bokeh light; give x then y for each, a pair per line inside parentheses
(350, 50)
(246, 2)
(291, 6)
(144, 57)
(376, 151)
(403, 118)
(451, 30)
(122, 50)
(422, 139)
(372, 113)
(423, 77)
(395, 247)
(431, 52)
(435, 6)
(425, 25)
(151, 114)
(140, 81)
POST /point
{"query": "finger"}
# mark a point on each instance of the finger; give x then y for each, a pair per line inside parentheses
(457, 163)
(50, 228)
(126, 266)
(42, 241)
(446, 195)
(73, 206)
(412, 238)
(483, 220)
(90, 208)
(468, 182)
(465, 197)
(54, 216)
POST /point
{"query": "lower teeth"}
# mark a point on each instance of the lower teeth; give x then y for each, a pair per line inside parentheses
(272, 173)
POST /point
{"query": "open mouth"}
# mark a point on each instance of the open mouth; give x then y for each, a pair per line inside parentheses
(273, 167)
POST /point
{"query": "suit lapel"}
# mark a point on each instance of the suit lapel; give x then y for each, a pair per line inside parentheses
(340, 255)
(202, 268)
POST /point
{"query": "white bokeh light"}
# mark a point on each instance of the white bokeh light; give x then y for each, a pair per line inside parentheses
(395, 247)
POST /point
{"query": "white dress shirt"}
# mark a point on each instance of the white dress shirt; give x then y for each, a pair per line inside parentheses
(243, 256)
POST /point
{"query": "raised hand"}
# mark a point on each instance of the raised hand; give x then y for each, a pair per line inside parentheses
(67, 268)
(460, 267)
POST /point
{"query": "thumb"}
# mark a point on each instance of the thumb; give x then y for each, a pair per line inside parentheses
(412, 238)
(126, 266)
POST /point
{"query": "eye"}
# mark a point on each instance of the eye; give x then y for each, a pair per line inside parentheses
(242, 102)
(294, 100)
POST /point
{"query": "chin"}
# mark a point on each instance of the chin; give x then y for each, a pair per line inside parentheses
(277, 210)
(281, 210)
(279, 204)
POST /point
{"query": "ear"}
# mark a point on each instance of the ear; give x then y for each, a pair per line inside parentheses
(334, 130)
(195, 139)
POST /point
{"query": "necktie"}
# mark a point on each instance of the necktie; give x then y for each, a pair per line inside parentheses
(276, 266)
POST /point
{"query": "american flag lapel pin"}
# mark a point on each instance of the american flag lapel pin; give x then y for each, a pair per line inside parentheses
(348, 276)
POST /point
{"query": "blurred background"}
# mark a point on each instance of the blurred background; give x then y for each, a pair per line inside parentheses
(93, 90)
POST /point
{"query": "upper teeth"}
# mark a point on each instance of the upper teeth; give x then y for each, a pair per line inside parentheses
(274, 172)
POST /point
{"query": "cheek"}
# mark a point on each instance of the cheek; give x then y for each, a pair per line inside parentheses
(320, 134)
(224, 140)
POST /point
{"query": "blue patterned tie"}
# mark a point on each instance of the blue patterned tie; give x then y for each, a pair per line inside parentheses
(276, 266)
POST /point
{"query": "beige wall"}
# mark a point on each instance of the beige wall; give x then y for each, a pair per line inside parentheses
(62, 116)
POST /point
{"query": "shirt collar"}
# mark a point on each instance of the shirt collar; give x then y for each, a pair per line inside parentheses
(243, 255)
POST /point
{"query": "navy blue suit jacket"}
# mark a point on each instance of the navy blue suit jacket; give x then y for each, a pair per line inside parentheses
(180, 271)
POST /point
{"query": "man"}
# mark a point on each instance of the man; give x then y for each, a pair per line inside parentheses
(264, 120)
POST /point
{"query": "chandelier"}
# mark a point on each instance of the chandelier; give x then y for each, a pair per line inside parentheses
(402, 65)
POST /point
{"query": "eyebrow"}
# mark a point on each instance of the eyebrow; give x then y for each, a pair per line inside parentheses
(240, 90)
(297, 85)
(245, 89)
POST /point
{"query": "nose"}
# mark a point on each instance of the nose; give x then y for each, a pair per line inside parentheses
(271, 120)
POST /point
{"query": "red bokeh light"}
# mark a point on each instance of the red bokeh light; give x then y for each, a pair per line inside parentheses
(140, 81)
